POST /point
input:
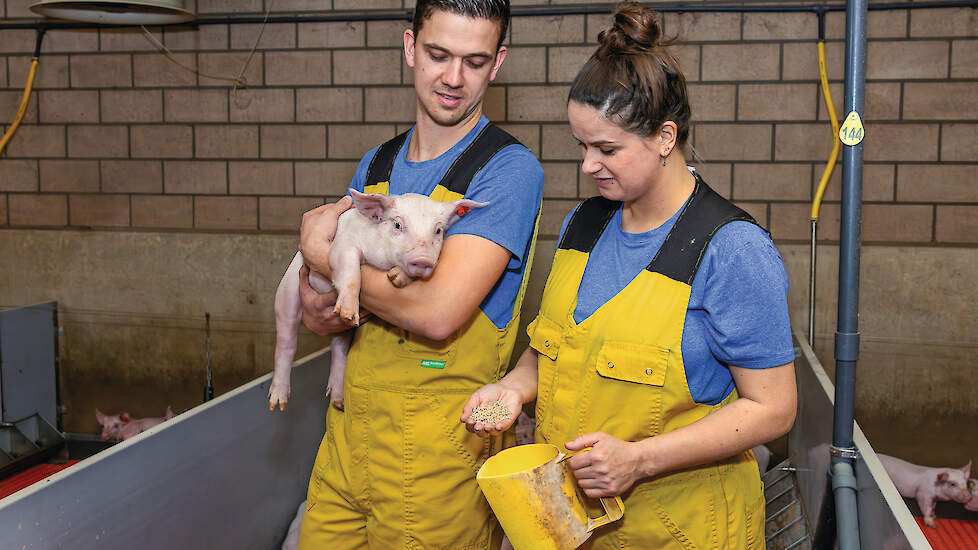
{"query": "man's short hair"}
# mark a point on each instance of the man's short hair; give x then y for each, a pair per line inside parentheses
(493, 10)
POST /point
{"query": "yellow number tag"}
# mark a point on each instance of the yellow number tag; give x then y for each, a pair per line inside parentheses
(852, 131)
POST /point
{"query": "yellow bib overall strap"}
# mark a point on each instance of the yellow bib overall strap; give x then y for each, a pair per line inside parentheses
(621, 371)
(397, 468)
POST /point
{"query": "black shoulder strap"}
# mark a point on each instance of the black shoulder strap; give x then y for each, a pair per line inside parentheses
(383, 161)
(489, 142)
(705, 212)
(587, 223)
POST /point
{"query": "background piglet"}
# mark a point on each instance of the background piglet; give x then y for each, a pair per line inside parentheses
(763, 456)
(120, 427)
(928, 485)
(401, 234)
(291, 541)
(973, 503)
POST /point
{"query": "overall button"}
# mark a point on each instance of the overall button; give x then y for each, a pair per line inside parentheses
(611, 364)
(546, 343)
(648, 372)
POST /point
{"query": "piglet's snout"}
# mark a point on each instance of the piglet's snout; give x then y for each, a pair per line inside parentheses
(420, 267)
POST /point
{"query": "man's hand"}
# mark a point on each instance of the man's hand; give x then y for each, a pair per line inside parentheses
(317, 309)
(317, 231)
(609, 468)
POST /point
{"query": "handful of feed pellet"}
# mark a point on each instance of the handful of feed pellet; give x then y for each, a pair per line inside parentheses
(492, 413)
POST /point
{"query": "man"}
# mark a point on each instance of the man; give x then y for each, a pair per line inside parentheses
(396, 469)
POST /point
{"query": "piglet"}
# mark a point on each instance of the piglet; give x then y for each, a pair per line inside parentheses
(401, 234)
(525, 426)
(120, 427)
(291, 541)
(763, 456)
(928, 485)
(973, 488)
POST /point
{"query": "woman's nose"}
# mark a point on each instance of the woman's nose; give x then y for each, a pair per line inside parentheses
(589, 165)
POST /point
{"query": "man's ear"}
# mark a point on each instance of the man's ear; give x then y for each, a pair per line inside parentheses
(409, 47)
(372, 205)
(500, 56)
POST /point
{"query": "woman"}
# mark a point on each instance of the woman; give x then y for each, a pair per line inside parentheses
(662, 351)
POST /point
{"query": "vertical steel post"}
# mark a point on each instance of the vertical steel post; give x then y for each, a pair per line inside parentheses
(847, 333)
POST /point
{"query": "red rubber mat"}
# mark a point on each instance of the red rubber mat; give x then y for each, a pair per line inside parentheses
(30, 476)
(951, 534)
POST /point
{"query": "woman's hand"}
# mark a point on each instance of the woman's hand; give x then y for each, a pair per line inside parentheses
(609, 468)
(485, 396)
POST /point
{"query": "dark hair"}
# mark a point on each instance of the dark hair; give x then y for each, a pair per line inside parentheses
(493, 10)
(632, 79)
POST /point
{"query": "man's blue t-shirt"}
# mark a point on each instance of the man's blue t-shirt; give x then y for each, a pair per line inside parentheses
(511, 182)
(738, 310)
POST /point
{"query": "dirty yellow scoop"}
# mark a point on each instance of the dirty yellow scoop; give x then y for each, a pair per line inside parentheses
(537, 501)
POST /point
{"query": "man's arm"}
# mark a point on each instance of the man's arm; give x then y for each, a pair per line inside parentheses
(468, 268)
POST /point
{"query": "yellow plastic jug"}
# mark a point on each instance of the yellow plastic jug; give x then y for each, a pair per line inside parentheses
(537, 501)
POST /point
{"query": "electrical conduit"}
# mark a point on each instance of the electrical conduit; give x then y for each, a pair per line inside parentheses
(826, 174)
(24, 101)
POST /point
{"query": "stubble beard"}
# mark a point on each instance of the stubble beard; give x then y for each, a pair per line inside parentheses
(450, 117)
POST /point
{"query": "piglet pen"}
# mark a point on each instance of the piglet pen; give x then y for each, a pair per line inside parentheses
(229, 473)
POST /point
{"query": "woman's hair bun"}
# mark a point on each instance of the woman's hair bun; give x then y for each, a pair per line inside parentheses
(635, 28)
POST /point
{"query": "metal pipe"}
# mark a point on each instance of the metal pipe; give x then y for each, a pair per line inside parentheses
(405, 15)
(209, 388)
(811, 287)
(847, 333)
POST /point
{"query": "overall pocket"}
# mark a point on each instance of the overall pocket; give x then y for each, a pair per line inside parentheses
(443, 505)
(630, 376)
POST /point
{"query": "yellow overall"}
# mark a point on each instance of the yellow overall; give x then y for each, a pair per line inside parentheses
(396, 469)
(621, 371)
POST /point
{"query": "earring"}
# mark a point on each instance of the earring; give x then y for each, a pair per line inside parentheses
(663, 156)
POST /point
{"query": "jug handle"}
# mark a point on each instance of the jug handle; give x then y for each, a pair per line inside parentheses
(562, 456)
(606, 503)
(609, 515)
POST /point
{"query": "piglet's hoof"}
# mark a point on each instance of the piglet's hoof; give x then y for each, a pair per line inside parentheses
(349, 314)
(335, 399)
(398, 277)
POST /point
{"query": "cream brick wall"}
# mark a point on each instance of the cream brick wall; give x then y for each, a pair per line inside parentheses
(118, 137)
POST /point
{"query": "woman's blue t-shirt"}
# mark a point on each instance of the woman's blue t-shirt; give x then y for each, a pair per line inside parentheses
(738, 310)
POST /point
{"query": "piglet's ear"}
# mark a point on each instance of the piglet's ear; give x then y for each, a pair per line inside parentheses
(461, 207)
(942, 477)
(100, 416)
(372, 205)
(967, 470)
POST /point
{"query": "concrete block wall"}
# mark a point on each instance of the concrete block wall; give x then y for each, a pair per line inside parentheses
(125, 147)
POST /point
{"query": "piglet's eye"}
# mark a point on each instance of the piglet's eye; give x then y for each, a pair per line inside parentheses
(397, 225)
(438, 231)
